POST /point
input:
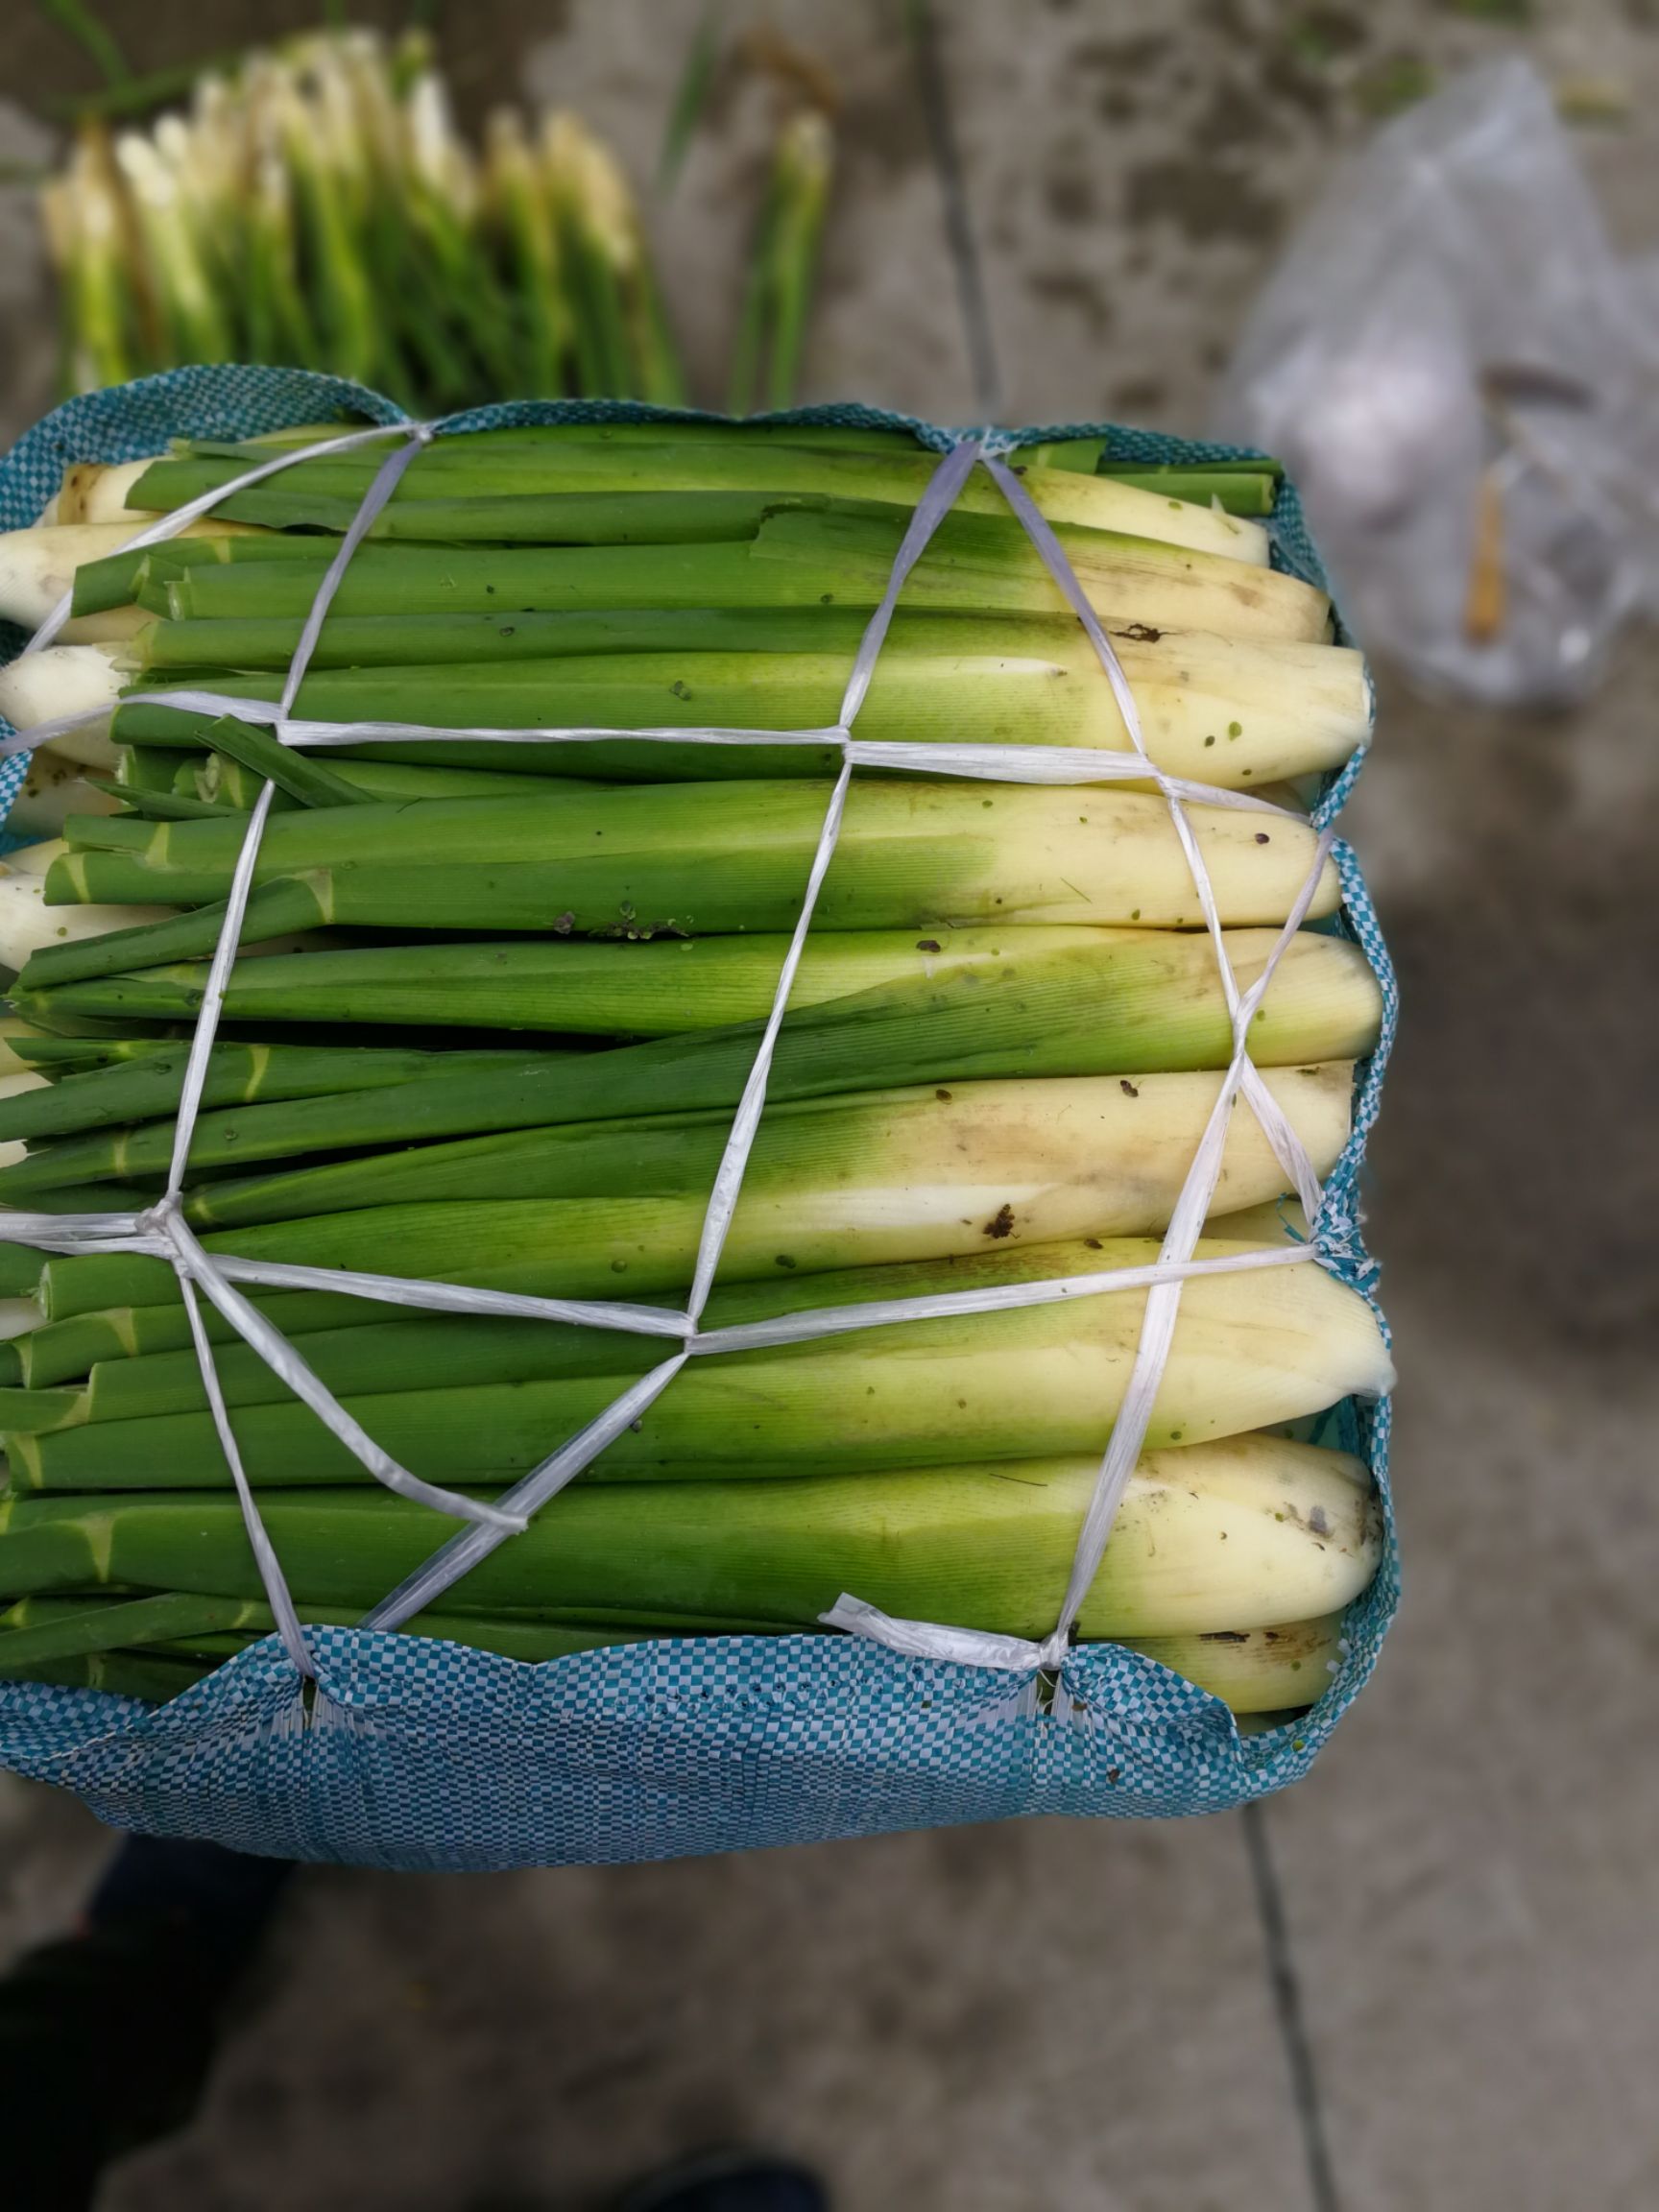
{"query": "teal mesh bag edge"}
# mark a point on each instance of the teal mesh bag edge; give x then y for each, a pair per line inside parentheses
(420, 1755)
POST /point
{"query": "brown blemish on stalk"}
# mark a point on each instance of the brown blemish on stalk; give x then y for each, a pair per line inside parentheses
(1001, 1222)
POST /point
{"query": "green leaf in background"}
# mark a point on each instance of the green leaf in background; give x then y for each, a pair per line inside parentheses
(690, 97)
(91, 33)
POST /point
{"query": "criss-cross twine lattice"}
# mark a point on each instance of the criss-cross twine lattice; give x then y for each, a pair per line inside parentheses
(160, 1230)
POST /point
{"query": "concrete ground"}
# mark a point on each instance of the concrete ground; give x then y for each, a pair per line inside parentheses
(1066, 2014)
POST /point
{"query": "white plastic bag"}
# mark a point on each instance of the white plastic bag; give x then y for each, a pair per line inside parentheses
(1462, 377)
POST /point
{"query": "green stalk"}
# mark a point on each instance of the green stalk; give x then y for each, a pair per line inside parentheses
(115, 579)
(63, 1351)
(1173, 472)
(623, 341)
(88, 221)
(304, 778)
(897, 1179)
(532, 1643)
(1250, 1348)
(85, 1197)
(20, 1270)
(67, 1349)
(1250, 491)
(832, 435)
(151, 769)
(143, 1082)
(508, 466)
(151, 1679)
(235, 788)
(987, 559)
(74, 1631)
(658, 368)
(40, 1629)
(528, 227)
(441, 189)
(797, 559)
(1137, 1002)
(194, 323)
(365, 1358)
(162, 806)
(281, 326)
(1203, 1542)
(665, 989)
(1083, 454)
(948, 701)
(44, 1054)
(320, 170)
(392, 1356)
(912, 856)
(423, 298)
(55, 1057)
(1195, 480)
(481, 579)
(804, 161)
(1251, 1669)
(518, 517)
(638, 861)
(709, 636)
(1232, 713)
(748, 344)
(1093, 1159)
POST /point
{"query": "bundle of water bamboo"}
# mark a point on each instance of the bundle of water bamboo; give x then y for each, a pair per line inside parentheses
(507, 995)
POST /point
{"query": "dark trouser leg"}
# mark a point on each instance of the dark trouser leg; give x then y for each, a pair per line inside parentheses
(106, 2038)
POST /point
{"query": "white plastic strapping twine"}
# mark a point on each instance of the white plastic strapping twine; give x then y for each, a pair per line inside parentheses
(160, 1230)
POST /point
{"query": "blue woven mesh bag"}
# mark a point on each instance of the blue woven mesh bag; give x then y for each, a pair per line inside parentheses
(417, 1754)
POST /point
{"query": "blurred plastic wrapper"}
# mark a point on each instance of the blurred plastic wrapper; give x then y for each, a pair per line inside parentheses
(1464, 379)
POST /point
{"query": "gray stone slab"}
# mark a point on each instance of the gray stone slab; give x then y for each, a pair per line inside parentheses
(981, 2020)
(1134, 170)
(1469, 1877)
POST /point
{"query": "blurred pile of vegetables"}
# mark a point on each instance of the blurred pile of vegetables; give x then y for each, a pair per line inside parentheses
(316, 207)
